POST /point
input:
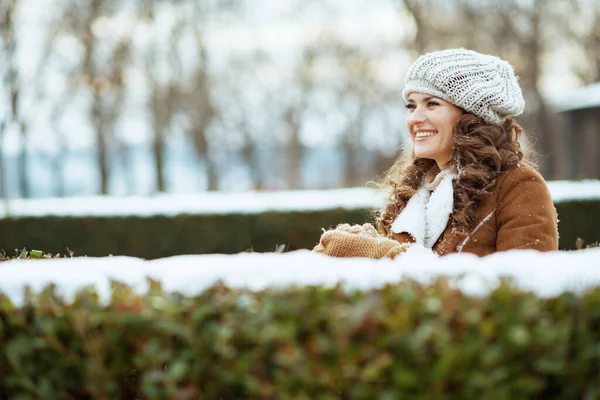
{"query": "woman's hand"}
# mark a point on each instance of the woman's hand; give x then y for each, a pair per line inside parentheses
(358, 241)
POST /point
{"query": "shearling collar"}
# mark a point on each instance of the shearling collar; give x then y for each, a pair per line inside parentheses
(426, 214)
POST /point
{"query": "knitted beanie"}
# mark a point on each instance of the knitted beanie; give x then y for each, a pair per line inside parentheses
(481, 84)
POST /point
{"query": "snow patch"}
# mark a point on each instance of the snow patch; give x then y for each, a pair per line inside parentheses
(546, 274)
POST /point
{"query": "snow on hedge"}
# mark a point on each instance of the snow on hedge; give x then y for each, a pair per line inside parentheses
(585, 97)
(547, 274)
(240, 202)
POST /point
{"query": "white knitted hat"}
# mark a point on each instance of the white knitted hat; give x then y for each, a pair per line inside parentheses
(478, 83)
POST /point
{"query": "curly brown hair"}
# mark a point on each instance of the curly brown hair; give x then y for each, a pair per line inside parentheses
(482, 152)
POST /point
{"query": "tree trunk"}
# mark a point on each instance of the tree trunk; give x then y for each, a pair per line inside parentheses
(158, 153)
(545, 134)
(211, 174)
(102, 162)
(250, 155)
(3, 178)
(58, 182)
(352, 147)
(351, 174)
(420, 41)
(22, 162)
(95, 112)
(101, 152)
(15, 106)
(533, 48)
(295, 154)
(201, 145)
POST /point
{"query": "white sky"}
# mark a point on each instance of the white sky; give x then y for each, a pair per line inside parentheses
(543, 273)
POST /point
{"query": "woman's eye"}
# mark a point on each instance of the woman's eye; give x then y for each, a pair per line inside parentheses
(410, 106)
(433, 103)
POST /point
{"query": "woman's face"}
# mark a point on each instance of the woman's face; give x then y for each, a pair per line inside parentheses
(430, 122)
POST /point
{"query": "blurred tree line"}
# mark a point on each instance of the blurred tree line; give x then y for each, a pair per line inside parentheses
(97, 56)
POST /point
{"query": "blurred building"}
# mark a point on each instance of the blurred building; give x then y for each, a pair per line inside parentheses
(581, 112)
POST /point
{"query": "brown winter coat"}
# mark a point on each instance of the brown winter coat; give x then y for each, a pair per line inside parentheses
(518, 215)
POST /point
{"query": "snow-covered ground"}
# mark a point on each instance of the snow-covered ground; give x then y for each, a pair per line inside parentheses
(240, 202)
(547, 274)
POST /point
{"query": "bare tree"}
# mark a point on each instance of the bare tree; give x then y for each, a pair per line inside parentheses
(3, 175)
(160, 101)
(59, 107)
(244, 131)
(114, 98)
(7, 42)
(201, 109)
(14, 88)
(187, 91)
(97, 84)
(359, 93)
(59, 187)
(101, 69)
(423, 30)
(295, 149)
(584, 35)
(523, 27)
(295, 113)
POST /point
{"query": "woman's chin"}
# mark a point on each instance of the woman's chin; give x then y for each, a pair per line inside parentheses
(424, 154)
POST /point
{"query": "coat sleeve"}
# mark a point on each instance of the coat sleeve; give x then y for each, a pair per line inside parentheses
(403, 238)
(526, 217)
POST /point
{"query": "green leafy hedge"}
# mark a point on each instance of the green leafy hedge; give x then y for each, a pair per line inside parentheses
(405, 340)
(578, 219)
(162, 236)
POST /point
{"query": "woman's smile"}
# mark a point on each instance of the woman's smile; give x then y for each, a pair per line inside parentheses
(424, 135)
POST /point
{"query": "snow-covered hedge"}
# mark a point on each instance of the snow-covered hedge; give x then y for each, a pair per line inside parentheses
(162, 236)
(545, 273)
(302, 325)
(207, 223)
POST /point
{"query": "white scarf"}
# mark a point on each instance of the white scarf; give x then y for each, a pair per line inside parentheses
(426, 214)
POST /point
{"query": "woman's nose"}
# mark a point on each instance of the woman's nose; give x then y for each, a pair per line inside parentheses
(416, 116)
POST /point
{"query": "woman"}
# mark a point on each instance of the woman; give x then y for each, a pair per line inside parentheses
(464, 185)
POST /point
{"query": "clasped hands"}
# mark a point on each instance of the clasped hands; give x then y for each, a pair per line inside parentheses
(358, 241)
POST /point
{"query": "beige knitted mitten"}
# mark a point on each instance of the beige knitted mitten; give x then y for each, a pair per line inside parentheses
(358, 241)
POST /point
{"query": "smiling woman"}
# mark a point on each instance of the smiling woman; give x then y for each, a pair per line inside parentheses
(464, 183)
(431, 122)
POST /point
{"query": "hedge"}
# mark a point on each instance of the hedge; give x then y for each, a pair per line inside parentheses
(404, 340)
(163, 236)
